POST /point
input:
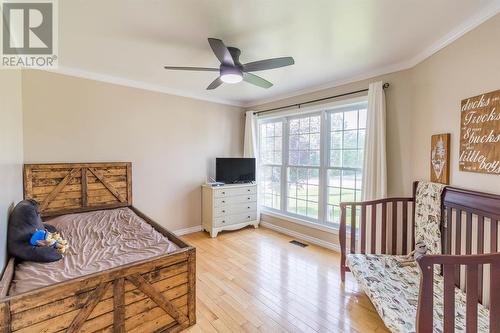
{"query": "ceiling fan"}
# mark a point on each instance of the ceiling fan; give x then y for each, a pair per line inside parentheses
(232, 71)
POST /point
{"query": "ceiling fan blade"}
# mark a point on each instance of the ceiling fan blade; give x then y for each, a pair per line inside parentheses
(256, 80)
(199, 69)
(221, 51)
(215, 83)
(262, 65)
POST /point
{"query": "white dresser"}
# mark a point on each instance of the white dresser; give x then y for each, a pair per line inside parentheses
(229, 207)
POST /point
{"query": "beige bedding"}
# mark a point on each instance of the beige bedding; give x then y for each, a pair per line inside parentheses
(98, 241)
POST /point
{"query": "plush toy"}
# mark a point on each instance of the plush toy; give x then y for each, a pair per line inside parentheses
(49, 239)
(24, 222)
(412, 258)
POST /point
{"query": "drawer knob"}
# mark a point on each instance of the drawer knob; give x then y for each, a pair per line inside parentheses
(223, 221)
(248, 207)
(223, 211)
(223, 201)
(248, 190)
(248, 198)
(248, 216)
(223, 192)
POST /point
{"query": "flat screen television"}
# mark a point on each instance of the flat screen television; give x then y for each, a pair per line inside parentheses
(235, 170)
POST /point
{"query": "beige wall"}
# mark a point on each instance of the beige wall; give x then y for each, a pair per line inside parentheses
(170, 140)
(11, 151)
(468, 67)
(422, 101)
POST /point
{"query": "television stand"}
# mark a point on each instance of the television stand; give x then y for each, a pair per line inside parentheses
(229, 207)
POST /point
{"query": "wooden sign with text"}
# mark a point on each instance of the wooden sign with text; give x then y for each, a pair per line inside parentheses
(480, 133)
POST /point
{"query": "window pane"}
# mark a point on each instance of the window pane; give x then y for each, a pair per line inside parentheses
(362, 118)
(350, 139)
(350, 158)
(270, 143)
(361, 139)
(304, 141)
(336, 140)
(336, 158)
(348, 179)
(270, 189)
(337, 120)
(350, 120)
(334, 178)
(303, 191)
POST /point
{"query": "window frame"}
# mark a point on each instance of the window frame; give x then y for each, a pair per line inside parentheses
(324, 111)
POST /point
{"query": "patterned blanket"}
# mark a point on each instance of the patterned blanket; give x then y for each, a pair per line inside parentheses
(428, 215)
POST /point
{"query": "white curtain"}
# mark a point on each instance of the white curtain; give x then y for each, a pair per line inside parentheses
(250, 140)
(374, 185)
(250, 148)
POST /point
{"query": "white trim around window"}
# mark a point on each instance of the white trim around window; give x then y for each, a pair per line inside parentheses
(315, 206)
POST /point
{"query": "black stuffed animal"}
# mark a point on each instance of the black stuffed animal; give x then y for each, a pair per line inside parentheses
(24, 221)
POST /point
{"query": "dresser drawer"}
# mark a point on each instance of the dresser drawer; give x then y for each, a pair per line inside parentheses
(229, 192)
(225, 210)
(234, 219)
(235, 200)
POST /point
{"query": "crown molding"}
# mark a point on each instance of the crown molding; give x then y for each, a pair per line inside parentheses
(121, 81)
(468, 25)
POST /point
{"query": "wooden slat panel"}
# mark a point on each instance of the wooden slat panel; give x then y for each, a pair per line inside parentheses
(363, 229)
(494, 297)
(449, 227)
(458, 243)
(89, 306)
(84, 187)
(383, 241)
(471, 299)
(353, 229)
(159, 299)
(170, 290)
(405, 227)
(426, 296)
(58, 189)
(373, 236)
(494, 235)
(51, 186)
(468, 231)
(119, 305)
(480, 250)
(192, 287)
(449, 299)
(394, 228)
(62, 290)
(28, 185)
(5, 319)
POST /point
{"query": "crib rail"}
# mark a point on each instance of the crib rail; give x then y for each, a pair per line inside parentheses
(472, 264)
(392, 216)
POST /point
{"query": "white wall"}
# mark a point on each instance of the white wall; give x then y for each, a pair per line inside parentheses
(11, 151)
(170, 140)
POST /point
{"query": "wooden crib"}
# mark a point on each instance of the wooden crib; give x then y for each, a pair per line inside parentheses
(469, 246)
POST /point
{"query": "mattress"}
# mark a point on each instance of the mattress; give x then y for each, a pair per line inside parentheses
(98, 241)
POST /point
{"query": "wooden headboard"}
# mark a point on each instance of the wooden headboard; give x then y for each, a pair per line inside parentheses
(63, 188)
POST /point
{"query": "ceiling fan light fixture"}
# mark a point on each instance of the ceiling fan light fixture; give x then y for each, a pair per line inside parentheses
(230, 74)
(231, 78)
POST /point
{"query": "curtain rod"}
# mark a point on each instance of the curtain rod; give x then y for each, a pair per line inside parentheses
(385, 86)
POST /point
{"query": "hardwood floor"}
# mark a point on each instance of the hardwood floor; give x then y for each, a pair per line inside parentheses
(254, 280)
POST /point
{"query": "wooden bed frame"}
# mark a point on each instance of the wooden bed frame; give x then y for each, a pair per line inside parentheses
(153, 295)
(478, 212)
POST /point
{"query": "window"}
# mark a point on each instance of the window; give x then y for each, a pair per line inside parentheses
(271, 144)
(312, 162)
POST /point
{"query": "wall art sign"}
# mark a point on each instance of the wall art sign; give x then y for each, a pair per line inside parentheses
(440, 158)
(480, 133)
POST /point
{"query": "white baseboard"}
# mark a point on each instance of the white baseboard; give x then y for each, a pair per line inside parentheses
(186, 231)
(307, 238)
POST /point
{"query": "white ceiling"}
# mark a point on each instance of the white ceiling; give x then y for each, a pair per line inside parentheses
(333, 41)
